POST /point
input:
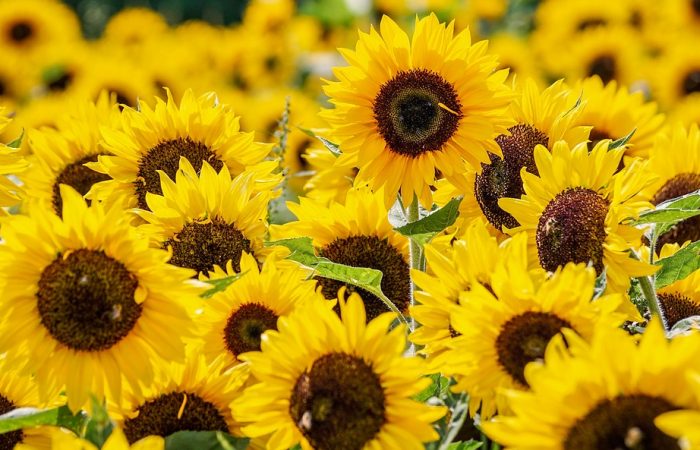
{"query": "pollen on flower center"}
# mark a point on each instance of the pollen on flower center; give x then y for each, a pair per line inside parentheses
(375, 253)
(200, 246)
(625, 422)
(338, 403)
(572, 229)
(417, 111)
(677, 307)
(86, 300)
(166, 157)
(165, 415)
(523, 339)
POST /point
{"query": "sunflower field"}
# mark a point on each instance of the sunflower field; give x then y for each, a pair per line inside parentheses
(345, 225)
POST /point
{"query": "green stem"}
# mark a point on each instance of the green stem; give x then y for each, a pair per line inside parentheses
(647, 286)
(417, 257)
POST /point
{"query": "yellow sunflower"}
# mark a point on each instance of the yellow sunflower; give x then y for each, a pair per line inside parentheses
(56, 69)
(153, 139)
(11, 163)
(193, 396)
(115, 441)
(686, 111)
(573, 209)
(355, 233)
(516, 55)
(595, 399)
(331, 179)
(543, 117)
(207, 219)
(133, 26)
(505, 326)
(336, 384)
(676, 74)
(406, 108)
(59, 155)
(613, 112)
(675, 162)
(88, 305)
(18, 390)
(26, 25)
(684, 424)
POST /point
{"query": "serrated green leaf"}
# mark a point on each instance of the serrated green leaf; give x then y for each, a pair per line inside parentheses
(622, 141)
(221, 284)
(100, 426)
(423, 230)
(685, 326)
(204, 440)
(302, 251)
(672, 211)
(679, 265)
(16, 143)
(33, 417)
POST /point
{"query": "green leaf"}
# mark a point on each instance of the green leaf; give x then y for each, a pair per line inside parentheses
(673, 210)
(17, 142)
(679, 265)
(363, 277)
(204, 440)
(221, 284)
(437, 388)
(622, 141)
(467, 445)
(601, 283)
(32, 417)
(685, 326)
(100, 426)
(423, 230)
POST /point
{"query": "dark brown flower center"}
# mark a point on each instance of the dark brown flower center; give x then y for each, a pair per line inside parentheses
(21, 31)
(605, 67)
(165, 415)
(501, 178)
(591, 22)
(200, 246)
(77, 176)
(408, 112)
(688, 229)
(696, 6)
(166, 157)
(524, 338)
(9, 440)
(597, 135)
(572, 229)
(677, 307)
(61, 82)
(246, 325)
(86, 300)
(375, 253)
(339, 403)
(623, 423)
(691, 83)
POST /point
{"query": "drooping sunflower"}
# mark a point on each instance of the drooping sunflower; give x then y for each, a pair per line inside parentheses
(234, 320)
(573, 210)
(193, 396)
(338, 384)
(675, 161)
(59, 154)
(614, 112)
(470, 259)
(507, 325)
(88, 305)
(153, 139)
(543, 117)
(406, 108)
(355, 233)
(597, 400)
(26, 25)
(684, 424)
(207, 219)
(11, 163)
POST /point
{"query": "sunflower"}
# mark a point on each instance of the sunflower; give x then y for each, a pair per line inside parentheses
(193, 396)
(59, 155)
(207, 219)
(597, 400)
(684, 424)
(56, 69)
(680, 299)
(543, 117)
(563, 21)
(406, 108)
(234, 320)
(573, 209)
(355, 233)
(154, 139)
(675, 161)
(26, 25)
(341, 383)
(115, 441)
(87, 301)
(516, 55)
(11, 163)
(13, 82)
(676, 75)
(133, 26)
(614, 112)
(20, 391)
(507, 325)
(686, 111)
(331, 179)
(469, 259)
